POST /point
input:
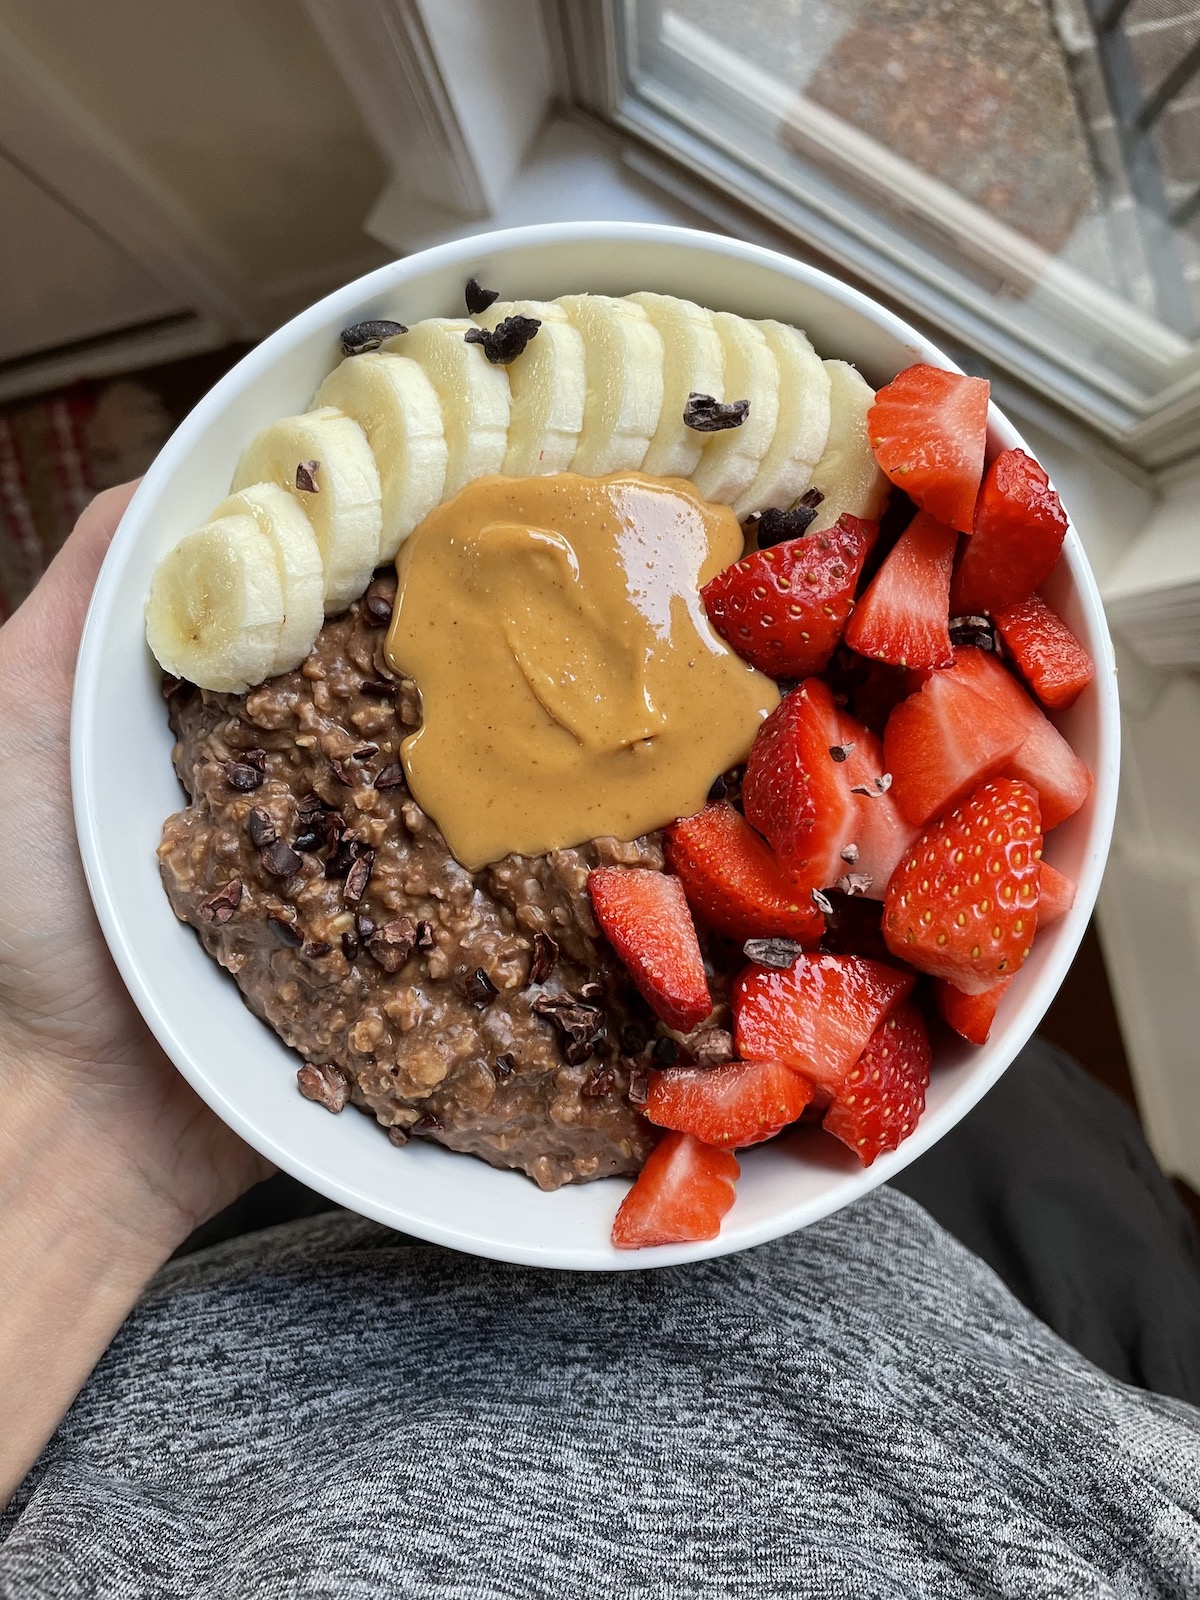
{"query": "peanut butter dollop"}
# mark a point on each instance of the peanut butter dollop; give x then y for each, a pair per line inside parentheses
(571, 684)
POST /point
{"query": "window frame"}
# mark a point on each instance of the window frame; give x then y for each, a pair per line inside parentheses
(1152, 415)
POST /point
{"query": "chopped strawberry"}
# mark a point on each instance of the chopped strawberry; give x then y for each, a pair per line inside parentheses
(805, 767)
(879, 834)
(784, 609)
(740, 1103)
(1044, 758)
(971, 1015)
(680, 1195)
(815, 1015)
(928, 429)
(1019, 530)
(945, 739)
(962, 905)
(1045, 652)
(884, 1093)
(734, 883)
(645, 918)
(794, 792)
(1056, 895)
(904, 616)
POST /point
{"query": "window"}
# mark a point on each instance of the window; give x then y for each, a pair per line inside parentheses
(1025, 174)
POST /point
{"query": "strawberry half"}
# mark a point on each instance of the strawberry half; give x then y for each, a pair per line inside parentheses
(784, 609)
(1043, 758)
(1020, 526)
(1045, 652)
(681, 1194)
(734, 883)
(740, 1103)
(1056, 895)
(813, 787)
(962, 905)
(815, 1015)
(904, 617)
(945, 739)
(645, 918)
(879, 832)
(970, 1015)
(884, 1092)
(794, 791)
(928, 429)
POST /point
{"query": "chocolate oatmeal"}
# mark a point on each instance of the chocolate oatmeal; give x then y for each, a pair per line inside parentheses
(483, 1011)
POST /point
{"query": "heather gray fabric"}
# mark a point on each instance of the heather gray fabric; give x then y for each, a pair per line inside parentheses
(861, 1410)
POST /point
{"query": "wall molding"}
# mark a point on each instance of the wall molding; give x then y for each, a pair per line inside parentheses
(61, 146)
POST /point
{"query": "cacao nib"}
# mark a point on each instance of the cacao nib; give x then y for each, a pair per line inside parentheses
(392, 945)
(377, 605)
(326, 1084)
(479, 989)
(261, 828)
(358, 878)
(545, 957)
(506, 340)
(219, 907)
(280, 860)
(781, 953)
(363, 336)
(479, 299)
(774, 525)
(705, 414)
(712, 1048)
(240, 775)
(286, 932)
(599, 1082)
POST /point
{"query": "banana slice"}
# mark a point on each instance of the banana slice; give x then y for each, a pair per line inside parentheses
(474, 396)
(298, 556)
(396, 406)
(802, 427)
(623, 354)
(847, 474)
(216, 607)
(548, 381)
(693, 363)
(344, 512)
(730, 460)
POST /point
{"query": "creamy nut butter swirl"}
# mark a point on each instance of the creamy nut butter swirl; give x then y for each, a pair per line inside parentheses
(571, 685)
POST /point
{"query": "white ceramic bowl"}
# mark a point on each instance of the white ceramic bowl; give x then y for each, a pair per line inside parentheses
(124, 785)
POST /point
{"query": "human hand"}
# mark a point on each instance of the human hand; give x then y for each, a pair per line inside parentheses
(108, 1158)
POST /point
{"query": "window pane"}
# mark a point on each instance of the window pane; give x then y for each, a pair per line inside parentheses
(1027, 172)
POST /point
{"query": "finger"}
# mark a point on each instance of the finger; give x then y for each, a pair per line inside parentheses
(42, 637)
(71, 576)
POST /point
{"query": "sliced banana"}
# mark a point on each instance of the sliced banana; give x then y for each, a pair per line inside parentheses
(216, 608)
(730, 460)
(474, 396)
(397, 408)
(847, 474)
(298, 556)
(548, 382)
(624, 359)
(802, 426)
(693, 363)
(344, 511)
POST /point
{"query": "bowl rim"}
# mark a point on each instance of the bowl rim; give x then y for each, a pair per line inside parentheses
(342, 305)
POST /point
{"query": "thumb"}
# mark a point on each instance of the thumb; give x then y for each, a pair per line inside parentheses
(41, 639)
